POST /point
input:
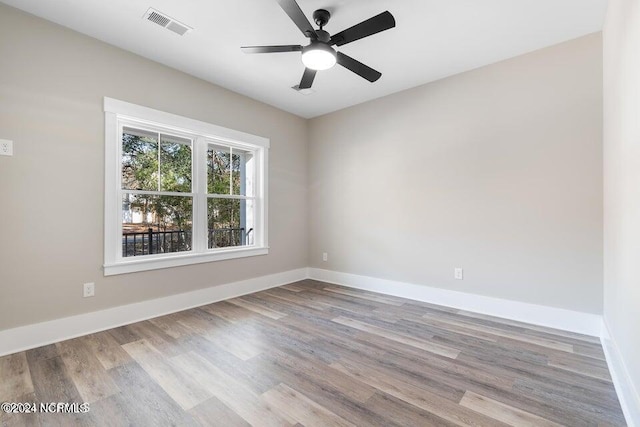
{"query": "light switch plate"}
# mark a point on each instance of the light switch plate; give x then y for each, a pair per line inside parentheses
(6, 147)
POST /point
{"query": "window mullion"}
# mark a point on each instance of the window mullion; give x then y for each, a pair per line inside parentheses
(230, 170)
(200, 198)
(159, 166)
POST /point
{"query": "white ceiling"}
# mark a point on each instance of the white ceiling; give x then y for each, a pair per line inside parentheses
(432, 39)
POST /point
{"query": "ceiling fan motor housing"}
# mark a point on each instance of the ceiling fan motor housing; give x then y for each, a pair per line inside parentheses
(323, 36)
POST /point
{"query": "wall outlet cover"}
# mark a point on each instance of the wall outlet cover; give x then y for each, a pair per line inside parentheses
(6, 147)
(89, 290)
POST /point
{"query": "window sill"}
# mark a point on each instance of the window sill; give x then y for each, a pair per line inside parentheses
(136, 265)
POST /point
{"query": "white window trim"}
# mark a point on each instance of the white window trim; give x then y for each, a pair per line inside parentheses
(115, 111)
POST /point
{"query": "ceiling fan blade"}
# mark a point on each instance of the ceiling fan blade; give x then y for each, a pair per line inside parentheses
(371, 26)
(271, 49)
(358, 67)
(292, 9)
(307, 78)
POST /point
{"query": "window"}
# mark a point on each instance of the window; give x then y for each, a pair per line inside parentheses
(180, 191)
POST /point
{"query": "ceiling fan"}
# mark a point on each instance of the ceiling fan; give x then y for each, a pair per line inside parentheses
(319, 53)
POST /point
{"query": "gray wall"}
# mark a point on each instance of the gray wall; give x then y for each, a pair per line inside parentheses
(622, 183)
(52, 82)
(497, 170)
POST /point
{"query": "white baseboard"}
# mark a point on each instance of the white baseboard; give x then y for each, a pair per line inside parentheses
(628, 395)
(39, 334)
(568, 320)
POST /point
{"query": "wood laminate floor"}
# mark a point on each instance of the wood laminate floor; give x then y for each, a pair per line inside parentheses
(315, 354)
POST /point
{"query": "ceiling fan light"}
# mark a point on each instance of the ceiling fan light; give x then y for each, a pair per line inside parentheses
(319, 56)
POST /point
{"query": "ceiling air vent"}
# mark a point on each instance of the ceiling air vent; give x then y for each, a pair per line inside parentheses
(167, 22)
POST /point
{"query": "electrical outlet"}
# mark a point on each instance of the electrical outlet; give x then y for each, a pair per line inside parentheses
(6, 147)
(89, 289)
(325, 256)
(458, 274)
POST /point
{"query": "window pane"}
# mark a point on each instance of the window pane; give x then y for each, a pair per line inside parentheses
(175, 164)
(139, 160)
(235, 173)
(156, 224)
(218, 170)
(228, 170)
(230, 222)
(241, 172)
